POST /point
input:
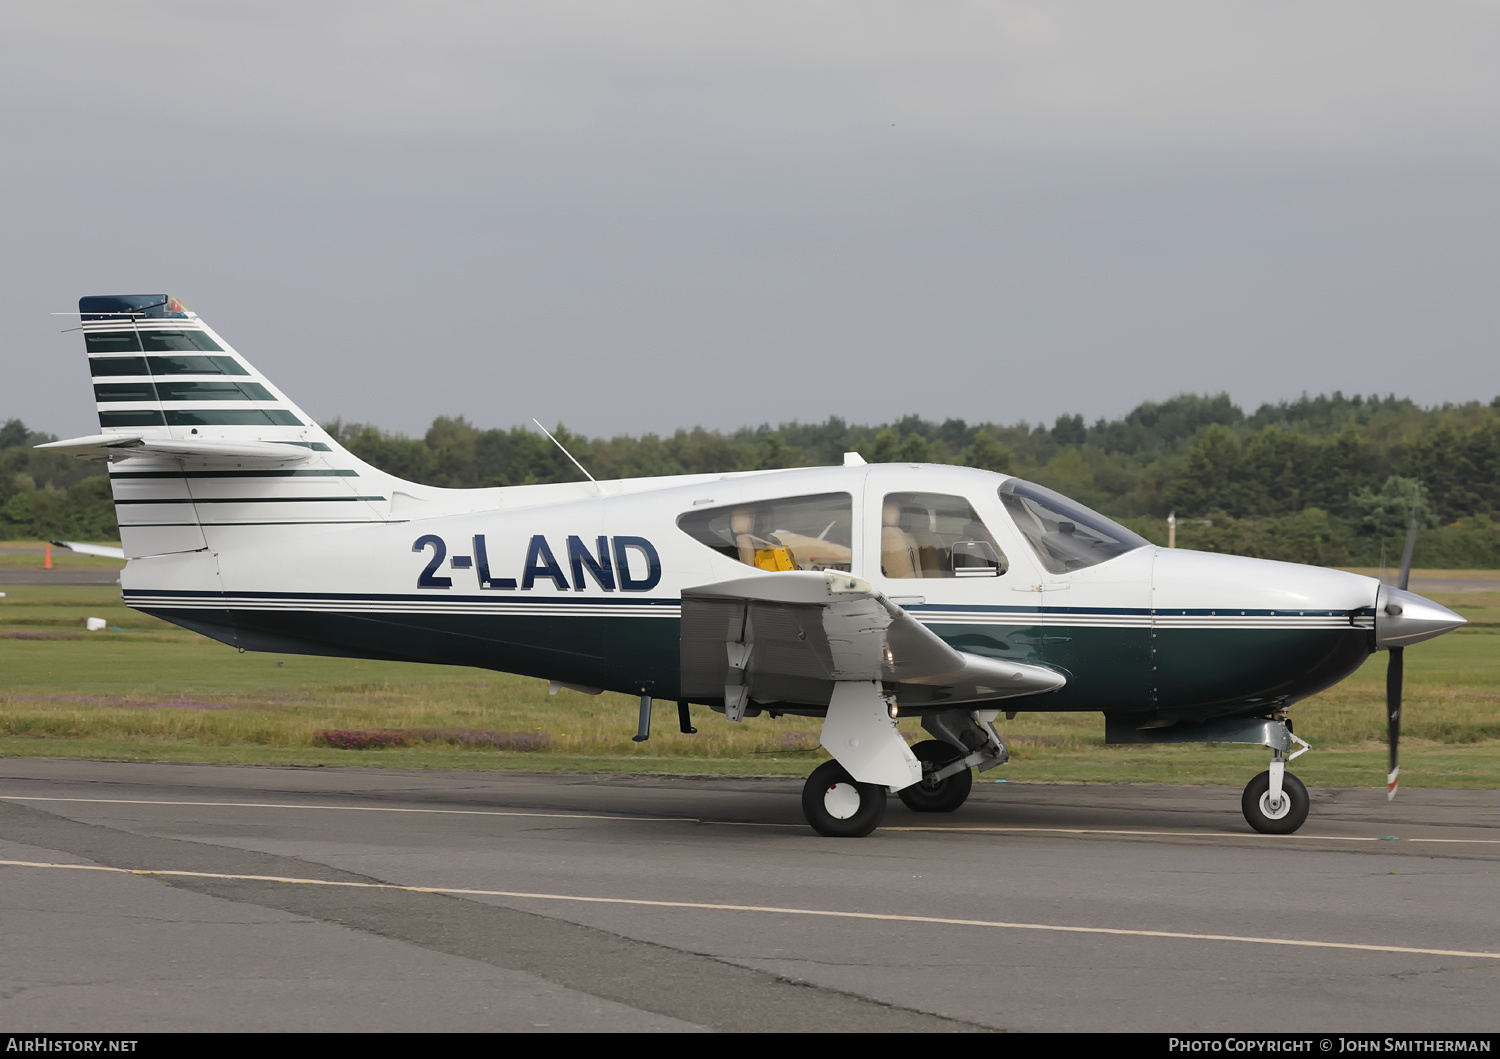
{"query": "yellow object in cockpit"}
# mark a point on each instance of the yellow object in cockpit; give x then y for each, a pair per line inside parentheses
(775, 558)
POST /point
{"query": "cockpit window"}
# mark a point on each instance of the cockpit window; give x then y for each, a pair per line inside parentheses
(794, 533)
(1065, 535)
(935, 535)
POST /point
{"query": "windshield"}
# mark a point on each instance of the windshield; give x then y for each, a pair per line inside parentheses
(1065, 535)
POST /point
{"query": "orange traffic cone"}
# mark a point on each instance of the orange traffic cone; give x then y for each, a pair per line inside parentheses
(47, 562)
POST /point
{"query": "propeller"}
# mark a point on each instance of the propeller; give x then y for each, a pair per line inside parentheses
(1396, 667)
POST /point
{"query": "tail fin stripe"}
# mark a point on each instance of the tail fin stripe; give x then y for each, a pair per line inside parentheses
(134, 418)
(162, 366)
(198, 417)
(120, 392)
(249, 417)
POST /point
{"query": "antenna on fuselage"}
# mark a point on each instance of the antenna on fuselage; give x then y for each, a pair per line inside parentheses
(569, 455)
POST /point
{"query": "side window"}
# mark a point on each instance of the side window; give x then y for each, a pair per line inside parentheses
(935, 535)
(793, 533)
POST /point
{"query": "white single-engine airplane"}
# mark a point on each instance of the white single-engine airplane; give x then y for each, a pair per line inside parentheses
(854, 593)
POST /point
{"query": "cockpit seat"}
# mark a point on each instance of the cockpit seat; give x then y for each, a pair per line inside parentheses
(899, 554)
(931, 552)
(758, 551)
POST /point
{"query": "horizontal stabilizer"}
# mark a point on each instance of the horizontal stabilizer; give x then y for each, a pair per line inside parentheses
(91, 549)
(114, 447)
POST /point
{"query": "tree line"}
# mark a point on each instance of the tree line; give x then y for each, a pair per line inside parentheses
(1328, 479)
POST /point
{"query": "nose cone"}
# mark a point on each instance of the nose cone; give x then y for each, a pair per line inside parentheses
(1403, 618)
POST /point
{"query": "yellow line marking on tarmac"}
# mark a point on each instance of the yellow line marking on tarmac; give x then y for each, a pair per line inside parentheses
(771, 909)
(958, 828)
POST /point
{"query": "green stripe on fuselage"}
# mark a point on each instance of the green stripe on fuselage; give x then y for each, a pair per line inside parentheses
(1108, 668)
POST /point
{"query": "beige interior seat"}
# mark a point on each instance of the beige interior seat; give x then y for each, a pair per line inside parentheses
(742, 525)
(930, 548)
(899, 555)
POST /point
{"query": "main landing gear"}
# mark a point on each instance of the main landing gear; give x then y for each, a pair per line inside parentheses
(938, 794)
(846, 797)
(839, 806)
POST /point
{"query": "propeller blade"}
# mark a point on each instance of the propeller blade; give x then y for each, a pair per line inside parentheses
(1397, 665)
(1411, 544)
(1393, 675)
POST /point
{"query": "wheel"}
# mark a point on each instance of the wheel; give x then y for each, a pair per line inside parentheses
(839, 807)
(1271, 819)
(945, 795)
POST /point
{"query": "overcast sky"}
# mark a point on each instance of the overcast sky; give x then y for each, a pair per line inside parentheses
(633, 217)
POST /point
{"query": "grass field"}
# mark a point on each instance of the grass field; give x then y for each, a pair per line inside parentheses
(146, 690)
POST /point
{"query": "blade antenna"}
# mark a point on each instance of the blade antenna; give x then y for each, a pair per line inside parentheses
(569, 455)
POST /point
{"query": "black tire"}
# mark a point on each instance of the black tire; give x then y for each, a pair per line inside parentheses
(1270, 820)
(946, 794)
(853, 819)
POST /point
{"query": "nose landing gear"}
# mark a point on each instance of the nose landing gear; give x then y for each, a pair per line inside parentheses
(1280, 814)
(1276, 802)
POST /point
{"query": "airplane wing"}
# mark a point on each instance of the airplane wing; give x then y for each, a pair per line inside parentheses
(91, 549)
(792, 636)
(123, 446)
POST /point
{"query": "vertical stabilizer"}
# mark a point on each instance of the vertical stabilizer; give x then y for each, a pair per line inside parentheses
(200, 432)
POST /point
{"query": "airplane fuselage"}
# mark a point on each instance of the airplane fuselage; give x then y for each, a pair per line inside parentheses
(583, 584)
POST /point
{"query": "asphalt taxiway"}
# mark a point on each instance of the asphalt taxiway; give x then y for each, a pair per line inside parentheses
(140, 897)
